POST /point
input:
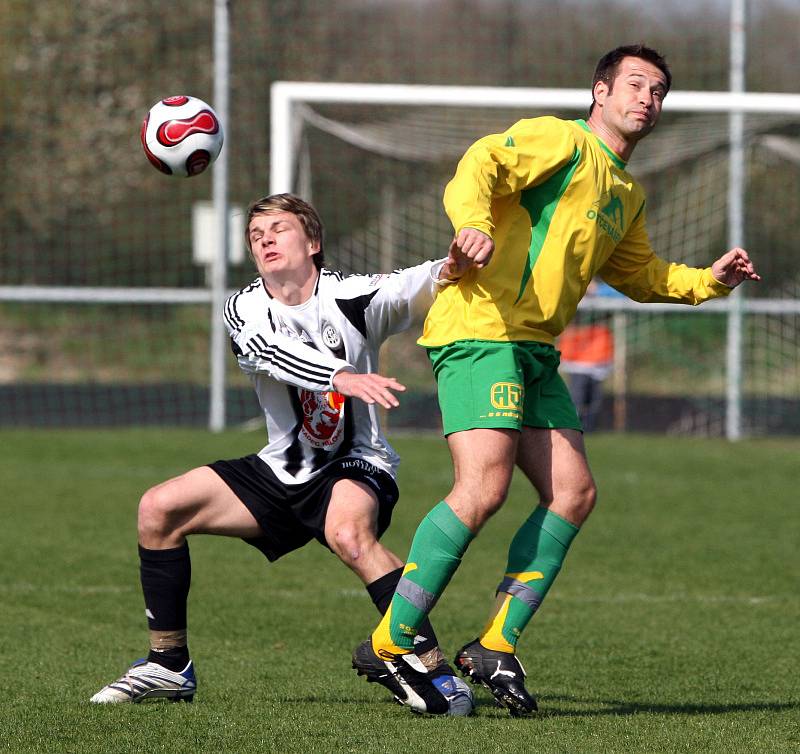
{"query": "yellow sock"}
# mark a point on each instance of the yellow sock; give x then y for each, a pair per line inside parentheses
(492, 635)
(382, 643)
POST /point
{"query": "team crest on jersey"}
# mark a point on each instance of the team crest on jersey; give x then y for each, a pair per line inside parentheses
(331, 337)
(323, 418)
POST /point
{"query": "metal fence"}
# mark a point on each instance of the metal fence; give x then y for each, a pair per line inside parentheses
(104, 316)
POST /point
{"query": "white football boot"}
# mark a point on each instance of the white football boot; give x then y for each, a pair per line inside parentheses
(149, 680)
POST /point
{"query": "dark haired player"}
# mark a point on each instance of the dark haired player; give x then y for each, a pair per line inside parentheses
(540, 209)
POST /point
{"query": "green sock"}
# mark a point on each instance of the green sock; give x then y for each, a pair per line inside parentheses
(534, 560)
(436, 550)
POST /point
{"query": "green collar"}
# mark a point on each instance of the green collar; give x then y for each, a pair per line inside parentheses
(615, 158)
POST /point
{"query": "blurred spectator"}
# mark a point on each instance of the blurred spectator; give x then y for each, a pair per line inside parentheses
(587, 356)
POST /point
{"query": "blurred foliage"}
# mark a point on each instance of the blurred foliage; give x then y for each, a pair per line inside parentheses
(79, 204)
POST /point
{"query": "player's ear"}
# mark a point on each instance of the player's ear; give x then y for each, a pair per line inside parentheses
(600, 91)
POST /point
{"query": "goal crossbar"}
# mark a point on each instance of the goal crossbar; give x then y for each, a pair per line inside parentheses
(285, 95)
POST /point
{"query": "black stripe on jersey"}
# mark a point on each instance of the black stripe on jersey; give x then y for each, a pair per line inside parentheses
(337, 274)
(232, 318)
(319, 458)
(294, 453)
(354, 308)
(291, 363)
(346, 447)
(230, 313)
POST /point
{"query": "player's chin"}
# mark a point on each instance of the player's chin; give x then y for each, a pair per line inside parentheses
(640, 128)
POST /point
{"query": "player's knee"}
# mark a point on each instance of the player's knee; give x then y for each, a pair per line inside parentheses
(582, 500)
(155, 515)
(350, 542)
(475, 507)
(493, 500)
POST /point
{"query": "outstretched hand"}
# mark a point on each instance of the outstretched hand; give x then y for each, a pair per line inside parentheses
(370, 388)
(734, 267)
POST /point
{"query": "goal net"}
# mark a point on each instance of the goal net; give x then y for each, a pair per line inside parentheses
(375, 160)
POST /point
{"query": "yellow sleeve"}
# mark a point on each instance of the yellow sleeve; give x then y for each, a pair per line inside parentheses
(502, 164)
(635, 270)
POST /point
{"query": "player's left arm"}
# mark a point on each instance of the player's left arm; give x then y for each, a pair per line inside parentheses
(635, 270)
(734, 267)
(393, 299)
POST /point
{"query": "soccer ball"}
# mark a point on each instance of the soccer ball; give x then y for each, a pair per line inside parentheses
(181, 135)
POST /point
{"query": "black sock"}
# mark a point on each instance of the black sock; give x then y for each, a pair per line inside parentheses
(382, 590)
(166, 576)
(175, 659)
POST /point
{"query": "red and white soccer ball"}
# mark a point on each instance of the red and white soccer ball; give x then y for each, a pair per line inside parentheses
(181, 135)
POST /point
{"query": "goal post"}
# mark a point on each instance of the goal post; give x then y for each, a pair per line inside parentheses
(285, 96)
(348, 111)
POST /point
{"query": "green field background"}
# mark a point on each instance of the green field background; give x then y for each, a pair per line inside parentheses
(673, 626)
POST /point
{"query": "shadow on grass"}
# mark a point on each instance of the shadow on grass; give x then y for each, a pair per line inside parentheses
(619, 707)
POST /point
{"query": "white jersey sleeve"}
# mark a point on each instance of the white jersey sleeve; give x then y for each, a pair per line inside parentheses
(391, 299)
(260, 348)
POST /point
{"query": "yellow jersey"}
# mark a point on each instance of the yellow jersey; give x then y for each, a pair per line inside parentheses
(561, 208)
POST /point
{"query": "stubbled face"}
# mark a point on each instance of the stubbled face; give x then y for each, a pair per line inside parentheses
(279, 244)
(632, 106)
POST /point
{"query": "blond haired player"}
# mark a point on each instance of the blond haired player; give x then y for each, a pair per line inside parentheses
(308, 337)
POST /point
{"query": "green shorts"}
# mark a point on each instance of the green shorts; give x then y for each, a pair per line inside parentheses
(485, 383)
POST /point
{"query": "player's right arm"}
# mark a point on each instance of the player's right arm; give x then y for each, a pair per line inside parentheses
(499, 165)
(260, 348)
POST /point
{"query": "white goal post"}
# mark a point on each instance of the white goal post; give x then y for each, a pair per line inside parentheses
(286, 95)
(289, 99)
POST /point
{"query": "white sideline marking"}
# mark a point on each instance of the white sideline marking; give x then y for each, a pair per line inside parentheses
(362, 594)
(65, 588)
(701, 598)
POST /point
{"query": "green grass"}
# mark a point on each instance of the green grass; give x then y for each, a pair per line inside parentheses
(673, 627)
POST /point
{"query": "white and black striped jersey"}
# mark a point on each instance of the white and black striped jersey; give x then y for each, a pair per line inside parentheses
(292, 354)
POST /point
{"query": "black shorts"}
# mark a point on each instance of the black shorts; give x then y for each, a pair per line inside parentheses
(291, 515)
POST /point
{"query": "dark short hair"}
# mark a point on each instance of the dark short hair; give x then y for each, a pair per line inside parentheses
(607, 66)
(308, 216)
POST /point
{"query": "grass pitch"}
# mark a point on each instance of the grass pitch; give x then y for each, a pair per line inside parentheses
(673, 627)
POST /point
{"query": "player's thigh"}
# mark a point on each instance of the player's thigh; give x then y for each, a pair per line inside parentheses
(483, 458)
(198, 502)
(555, 462)
(352, 512)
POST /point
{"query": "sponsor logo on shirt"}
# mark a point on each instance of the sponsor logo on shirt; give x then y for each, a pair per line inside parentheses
(284, 328)
(609, 215)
